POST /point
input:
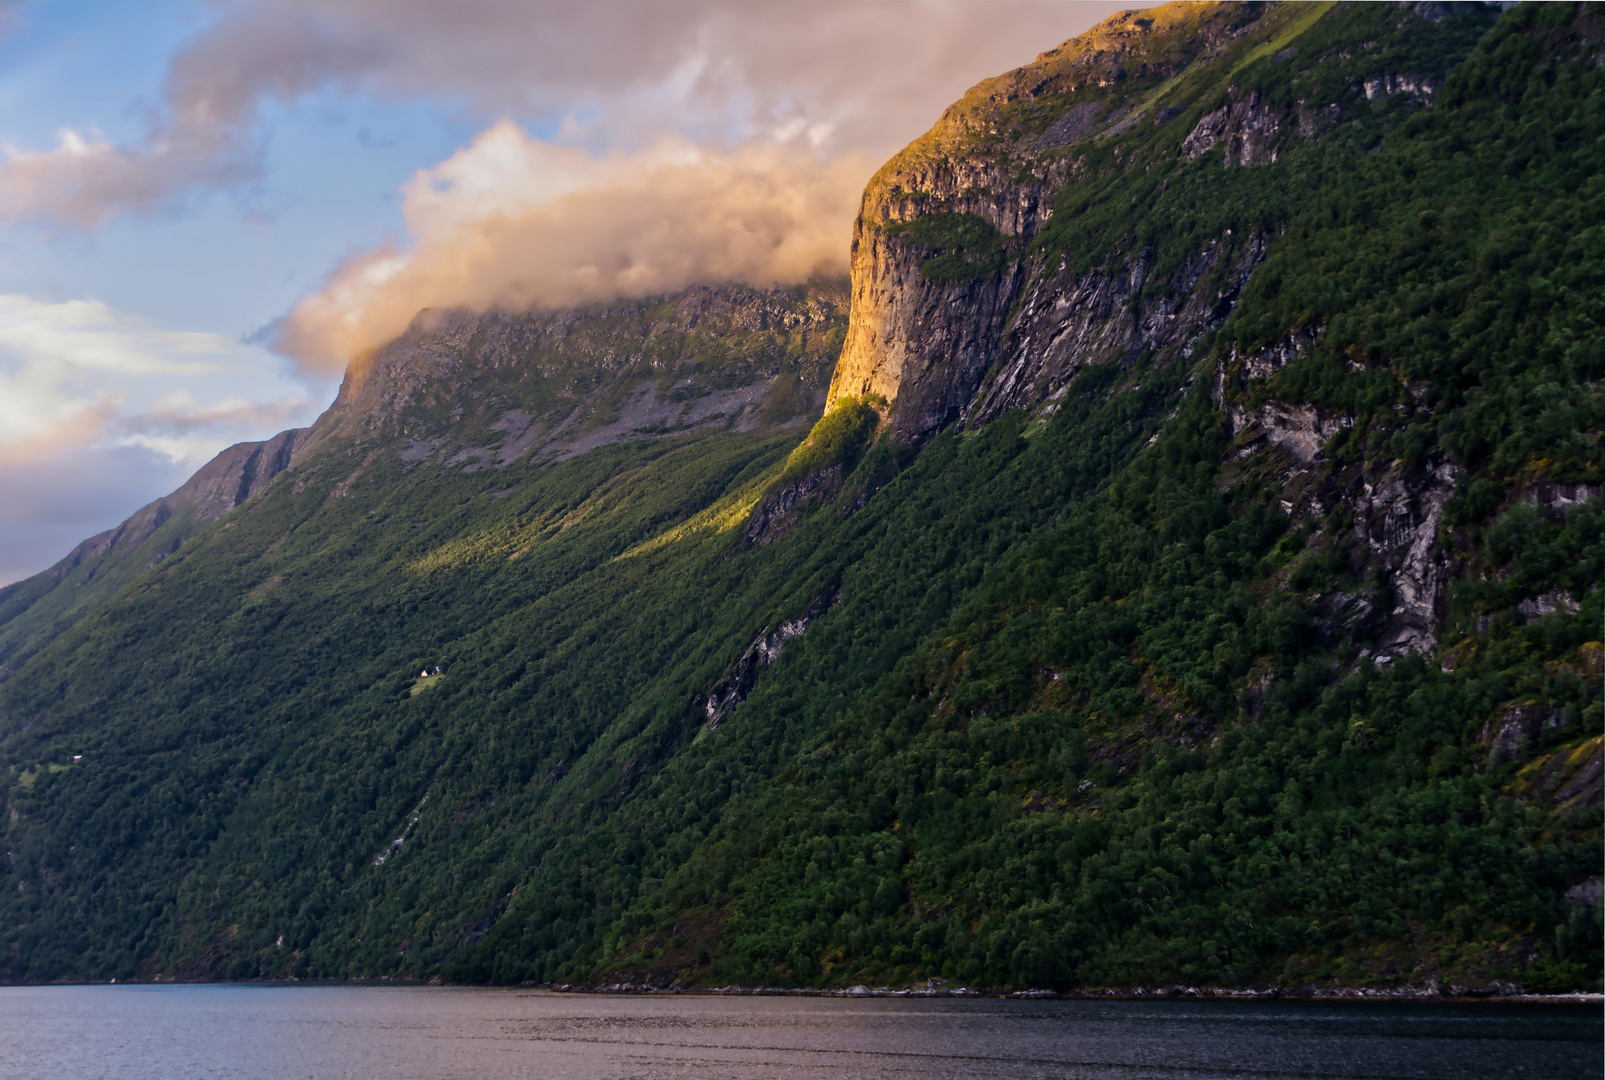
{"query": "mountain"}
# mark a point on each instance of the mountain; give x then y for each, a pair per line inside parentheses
(34, 611)
(742, 358)
(1190, 575)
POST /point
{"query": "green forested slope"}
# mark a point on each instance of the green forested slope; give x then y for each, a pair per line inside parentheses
(1077, 708)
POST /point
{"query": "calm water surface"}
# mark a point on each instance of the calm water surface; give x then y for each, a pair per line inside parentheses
(333, 1033)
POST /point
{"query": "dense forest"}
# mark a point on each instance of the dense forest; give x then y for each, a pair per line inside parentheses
(1115, 691)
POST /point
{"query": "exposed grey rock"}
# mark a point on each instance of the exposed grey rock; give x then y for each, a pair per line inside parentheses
(1072, 320)
(1314, 121)
(1076, 124)
(1555, 499)
(1268, 361)
(1513, 731)
(941, 352)
(1416, 87)
(773, 517)
(1301, 430)
(742, 676)
(1588, 778)
(1249, 129)
(1397, 518)
(1587, 893)
(1536, 607)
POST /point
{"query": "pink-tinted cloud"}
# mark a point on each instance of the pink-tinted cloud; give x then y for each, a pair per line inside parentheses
(78, 373)
(514, 222)
(102, 411)
(846, 75)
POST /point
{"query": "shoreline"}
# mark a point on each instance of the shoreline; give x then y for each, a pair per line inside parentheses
(1138, 993)
(1447, 995)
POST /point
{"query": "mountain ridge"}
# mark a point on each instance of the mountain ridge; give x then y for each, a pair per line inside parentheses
(379, 387)
(1206, 594)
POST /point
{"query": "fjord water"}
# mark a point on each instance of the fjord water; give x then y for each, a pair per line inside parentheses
(334, 1033)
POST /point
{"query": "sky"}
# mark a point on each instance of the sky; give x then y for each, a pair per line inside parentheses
(206, 208)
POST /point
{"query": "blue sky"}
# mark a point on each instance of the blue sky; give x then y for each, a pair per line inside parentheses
(226, 261)
(204, 207)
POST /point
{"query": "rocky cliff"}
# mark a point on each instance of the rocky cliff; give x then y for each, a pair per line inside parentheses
(1111, 202)
(1144, 91)
(1007, 153)
(480, 389)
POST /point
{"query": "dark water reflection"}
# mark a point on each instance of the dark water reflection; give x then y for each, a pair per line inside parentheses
(333, 1033)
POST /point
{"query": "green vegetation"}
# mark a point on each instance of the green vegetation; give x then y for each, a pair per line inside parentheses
(1169, 208)
(839, 438)
(35, 610)
(964, 246)
(1078, 711)
(1465, 262)
(1130, 760)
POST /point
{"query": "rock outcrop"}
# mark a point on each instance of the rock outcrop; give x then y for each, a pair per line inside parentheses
(1019, 150)
(780, 511)
(742, 676)
(478, 389)
(943, 350)
(928, 346)
(1248, 127)
(1513, 732)
(1070, 321)
(1395, 510)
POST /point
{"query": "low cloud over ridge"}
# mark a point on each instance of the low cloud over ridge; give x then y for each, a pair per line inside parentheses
(512, 221)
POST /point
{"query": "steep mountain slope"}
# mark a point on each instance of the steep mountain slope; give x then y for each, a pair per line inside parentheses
(547, 385)
(1195, 578)
(34, 611)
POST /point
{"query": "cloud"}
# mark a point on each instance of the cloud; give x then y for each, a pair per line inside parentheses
(86, 181)
(79, 373)
(848, 75)
(513, 221)
(102, 411)
(683, 141)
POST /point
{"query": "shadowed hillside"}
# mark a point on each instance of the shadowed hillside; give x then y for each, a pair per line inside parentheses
(1194, 578)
